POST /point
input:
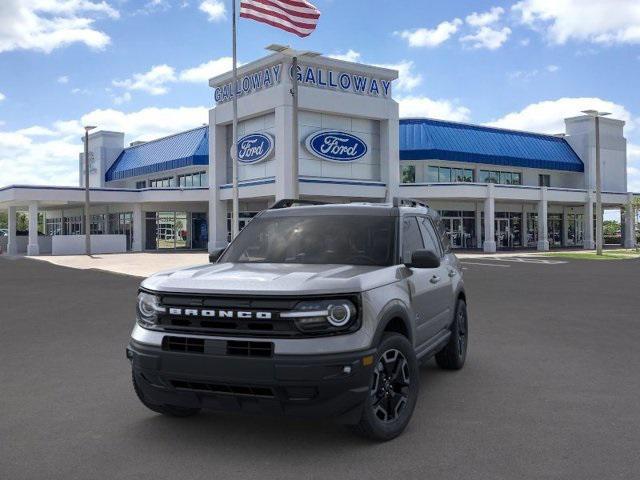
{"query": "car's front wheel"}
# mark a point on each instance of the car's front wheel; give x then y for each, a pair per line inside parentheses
(393, 392)
(170, 410)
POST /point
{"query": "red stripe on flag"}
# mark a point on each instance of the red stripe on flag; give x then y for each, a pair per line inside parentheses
(273, 13)
(293, 13)
(274, 24)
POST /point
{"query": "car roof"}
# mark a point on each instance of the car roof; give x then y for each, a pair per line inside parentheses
(372, 209)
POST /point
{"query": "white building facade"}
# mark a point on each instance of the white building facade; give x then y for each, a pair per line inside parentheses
(495, 189)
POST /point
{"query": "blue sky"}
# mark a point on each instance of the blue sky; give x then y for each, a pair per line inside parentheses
(141, 66)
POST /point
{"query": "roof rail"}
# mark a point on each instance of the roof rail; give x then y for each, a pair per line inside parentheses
(294, 202)
(408, 202)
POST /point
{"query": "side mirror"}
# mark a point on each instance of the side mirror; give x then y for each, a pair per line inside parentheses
(215, 255)
(424, 259)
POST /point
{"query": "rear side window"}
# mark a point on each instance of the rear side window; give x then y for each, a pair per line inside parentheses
(430, 238)
(411, 238)
(442, 234)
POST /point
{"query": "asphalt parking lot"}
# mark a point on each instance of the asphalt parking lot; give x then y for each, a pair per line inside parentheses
(551, 388)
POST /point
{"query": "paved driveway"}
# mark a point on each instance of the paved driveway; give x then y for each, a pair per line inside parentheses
(551, 389)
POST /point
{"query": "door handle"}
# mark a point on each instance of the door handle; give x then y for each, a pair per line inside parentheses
(434, 279)
(452, 273)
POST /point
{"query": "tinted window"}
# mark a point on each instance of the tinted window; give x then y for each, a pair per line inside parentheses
(411, 238)
(320, 239)
(430, 237)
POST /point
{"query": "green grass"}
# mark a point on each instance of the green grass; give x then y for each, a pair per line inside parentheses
(618, 254)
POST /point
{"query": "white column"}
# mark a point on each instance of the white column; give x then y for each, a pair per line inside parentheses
(12, 246)
(589, 242)
(390, 154)
(543, 240)
(138, 221)
(629, 224)
(565, 227)
(284, 156)
(32, 246)
(478, 225)
(218, 209)
(489, 245)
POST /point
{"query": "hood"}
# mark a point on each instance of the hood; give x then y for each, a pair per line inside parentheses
(271, 279)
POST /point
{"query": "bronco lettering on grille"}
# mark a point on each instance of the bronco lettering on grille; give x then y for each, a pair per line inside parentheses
(239, 314)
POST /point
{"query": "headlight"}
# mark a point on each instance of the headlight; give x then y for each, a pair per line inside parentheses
(148, 308)
(324, 316)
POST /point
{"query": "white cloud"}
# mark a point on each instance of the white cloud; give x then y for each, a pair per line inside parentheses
(63, 79)
(2, 96)
(548, 116)
(214, 9)
(120, 99)
(525, 42)
(486, 18)
(407, 78)
(595, 21)
(349, 56)
(552, 68)
(424, 37)
(487, 37)
(203, 72)
(419, 106)
(48, 155)
(527, 75)
(154, 81)
(45, 25)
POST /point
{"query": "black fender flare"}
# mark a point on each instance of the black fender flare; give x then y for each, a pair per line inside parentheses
(394, 309)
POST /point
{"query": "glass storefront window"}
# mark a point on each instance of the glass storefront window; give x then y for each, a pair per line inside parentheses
(432, 174)
(504, 178)
(460, 228)
(176, 230)
(408, 174)
(554, 229)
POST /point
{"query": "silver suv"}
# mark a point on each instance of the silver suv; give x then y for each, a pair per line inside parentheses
(313, 310)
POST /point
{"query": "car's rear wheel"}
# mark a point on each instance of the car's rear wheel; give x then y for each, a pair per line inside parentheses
(393, 392)
(170, 410)
(454, 354)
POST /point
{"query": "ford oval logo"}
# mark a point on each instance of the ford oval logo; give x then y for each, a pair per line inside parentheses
(255, 147)
(336, 146)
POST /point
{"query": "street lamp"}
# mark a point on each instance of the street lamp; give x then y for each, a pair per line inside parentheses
(596, 114)
(87, 217)
(294, 54)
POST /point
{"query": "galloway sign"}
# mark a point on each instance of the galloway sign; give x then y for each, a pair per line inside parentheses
(331, 79)
(248, 84)
(255, 148)
(336, 146)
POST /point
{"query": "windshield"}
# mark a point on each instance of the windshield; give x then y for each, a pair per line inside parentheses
(319, 239)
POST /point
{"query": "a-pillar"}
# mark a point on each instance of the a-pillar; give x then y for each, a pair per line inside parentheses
(12, 244)
(629, 223)
(32, 246)
(138, 221)
(543, 237)
(589, 242)
(489, 245)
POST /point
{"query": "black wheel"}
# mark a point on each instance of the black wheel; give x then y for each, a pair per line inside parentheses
(393, 392)
(454, 354)
(170, 410)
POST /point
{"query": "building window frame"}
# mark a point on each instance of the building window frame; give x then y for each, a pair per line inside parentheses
(408, 174)
(446, 174)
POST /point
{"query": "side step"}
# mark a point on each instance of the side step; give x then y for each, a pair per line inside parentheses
(433, 346)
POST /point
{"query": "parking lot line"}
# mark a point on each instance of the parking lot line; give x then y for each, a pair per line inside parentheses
(485, 264)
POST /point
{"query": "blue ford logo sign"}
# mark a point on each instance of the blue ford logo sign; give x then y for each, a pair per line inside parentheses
(255, 147)
(336, 146)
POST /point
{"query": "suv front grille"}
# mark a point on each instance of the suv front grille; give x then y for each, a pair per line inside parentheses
(230, 315)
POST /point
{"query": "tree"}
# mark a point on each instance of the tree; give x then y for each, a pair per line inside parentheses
(3, 220)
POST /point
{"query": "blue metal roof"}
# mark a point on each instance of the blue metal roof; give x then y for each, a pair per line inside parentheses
(176, 151)
(426, 139)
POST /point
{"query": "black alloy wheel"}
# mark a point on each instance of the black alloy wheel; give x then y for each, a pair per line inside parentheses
(390, 387)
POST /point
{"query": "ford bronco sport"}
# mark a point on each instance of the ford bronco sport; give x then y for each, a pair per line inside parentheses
(313, 310)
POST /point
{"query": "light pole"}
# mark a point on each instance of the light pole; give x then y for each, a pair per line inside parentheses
(596, 114)
(87, 217)
(295, 146)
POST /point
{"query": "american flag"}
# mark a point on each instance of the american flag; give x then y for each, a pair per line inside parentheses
(294, 16)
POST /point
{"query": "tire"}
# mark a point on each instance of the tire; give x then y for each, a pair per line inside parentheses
(169, 410)
(393, 392)
(454, 354)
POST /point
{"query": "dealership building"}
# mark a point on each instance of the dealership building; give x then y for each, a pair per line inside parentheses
(494, 188)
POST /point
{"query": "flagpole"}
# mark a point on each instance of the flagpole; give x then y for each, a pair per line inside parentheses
(294, 129)
(234, 148)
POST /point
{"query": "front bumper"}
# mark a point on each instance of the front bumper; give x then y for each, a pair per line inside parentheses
(334, 385)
